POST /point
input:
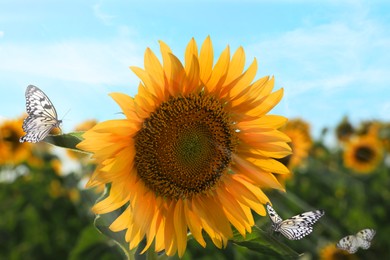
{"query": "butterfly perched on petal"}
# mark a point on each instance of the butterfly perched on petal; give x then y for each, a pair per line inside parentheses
(296, 227)
(42, 116)
(353, 242)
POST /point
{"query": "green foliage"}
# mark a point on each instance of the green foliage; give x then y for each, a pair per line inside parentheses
(351, 202)
(46, 215)
(265, 245)
(69, 141)
(93, 245)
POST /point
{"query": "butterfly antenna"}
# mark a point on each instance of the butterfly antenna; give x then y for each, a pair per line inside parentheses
(65, 115)
(63, 118)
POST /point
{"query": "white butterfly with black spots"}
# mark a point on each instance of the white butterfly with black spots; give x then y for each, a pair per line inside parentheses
(353, 242)
(42, 116)
(296, 227)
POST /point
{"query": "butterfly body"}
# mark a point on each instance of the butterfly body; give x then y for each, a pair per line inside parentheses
(352, 243)
(296, 227)
(42, 116)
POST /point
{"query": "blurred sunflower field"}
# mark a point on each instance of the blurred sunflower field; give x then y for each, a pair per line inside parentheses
(45, 207)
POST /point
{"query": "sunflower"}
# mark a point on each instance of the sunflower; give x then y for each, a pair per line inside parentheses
(11, 150)
(299, 132)
(331, 252)
(194, 152)
(363, 154)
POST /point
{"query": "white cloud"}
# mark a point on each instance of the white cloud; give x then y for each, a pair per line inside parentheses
(329, 56)
(101, 15)
(80, 61)
(1, 34)
(331, 69)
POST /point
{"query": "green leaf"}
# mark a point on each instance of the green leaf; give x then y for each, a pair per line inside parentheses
(102, 223)
(264, 245)
(92, 245)
(70, 140)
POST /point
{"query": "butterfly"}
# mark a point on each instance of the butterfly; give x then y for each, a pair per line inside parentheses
(353, 242)
(296, 227)
(42, 116)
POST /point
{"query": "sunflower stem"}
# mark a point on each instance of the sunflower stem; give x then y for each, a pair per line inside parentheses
(151, 254)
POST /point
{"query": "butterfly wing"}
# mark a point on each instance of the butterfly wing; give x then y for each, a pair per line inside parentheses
(307, 218)
(366, 234)
(37, 133)
(293, 231)
(38, 104)
(275, 218)
(300, 225)
(364, 237)
(348, 243)
(363, 243)
(42, 116)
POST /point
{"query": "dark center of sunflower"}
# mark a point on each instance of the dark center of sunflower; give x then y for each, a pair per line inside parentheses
(185, 146)
(364, 154)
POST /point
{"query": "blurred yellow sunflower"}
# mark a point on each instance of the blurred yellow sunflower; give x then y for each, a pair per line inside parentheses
(363, 154)
(331, 252)
(56, 165)
(55, 189)
(299, 132)
(11, 150)
(384, 135)
(74, 195)
(369, 127)
(194, 152)
(344, 130)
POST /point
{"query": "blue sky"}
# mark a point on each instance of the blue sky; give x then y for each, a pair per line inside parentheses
(331, 57)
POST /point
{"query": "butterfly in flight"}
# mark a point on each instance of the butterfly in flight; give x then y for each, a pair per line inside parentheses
(353, 242)
(296, 227)
(42, 116)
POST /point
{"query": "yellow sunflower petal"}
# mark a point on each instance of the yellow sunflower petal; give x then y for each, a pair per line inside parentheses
(256, 174)
(241, 84)
(236, 65)
(266, 121)
(206, 60)
(190, 54)
(252, 136)
(219, 72)
(167, 65)
(125, 102)
(121, 223)
(170, 238)
(180, 227)
(155, 72)
(271, 165)
(114, 201)
(249, 95)
(248, 194)
(178, 76)
(264, 105)
(194, 223)
(212, 214)
(192, 83)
